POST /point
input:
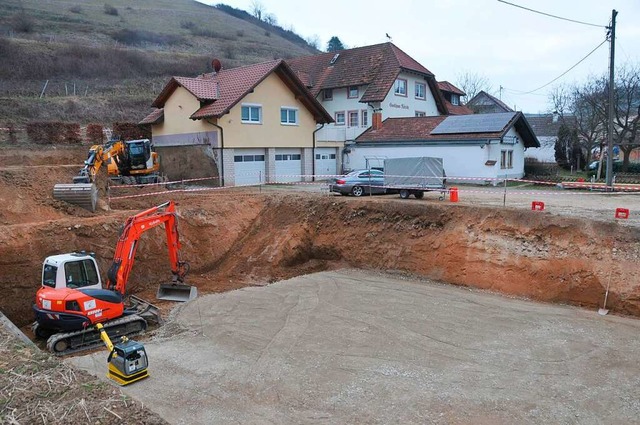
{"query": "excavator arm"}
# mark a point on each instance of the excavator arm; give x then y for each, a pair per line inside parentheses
(98, 155)
(124, 256)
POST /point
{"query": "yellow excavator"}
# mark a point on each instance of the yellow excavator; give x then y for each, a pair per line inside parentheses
(128, 162)
(127, 361)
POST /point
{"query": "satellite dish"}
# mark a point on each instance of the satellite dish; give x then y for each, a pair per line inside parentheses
(216, 64)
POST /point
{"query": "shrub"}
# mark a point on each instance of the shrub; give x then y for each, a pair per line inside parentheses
(533, 167)
(75, 9)
(267, 33)
(229, 51)
(131, 131)
(13, 133)
(95, 134)
(22, 22)
(134, 37)
(240, 33)
(187, 25)
(110, 10)
(53, 132)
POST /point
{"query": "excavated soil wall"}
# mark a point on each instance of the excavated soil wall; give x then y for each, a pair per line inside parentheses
(234, 240)
(239, 237)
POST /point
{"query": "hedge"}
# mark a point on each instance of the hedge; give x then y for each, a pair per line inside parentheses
(53, 132)
(131, 131)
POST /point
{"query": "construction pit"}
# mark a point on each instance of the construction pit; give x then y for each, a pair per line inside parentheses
(321, 308)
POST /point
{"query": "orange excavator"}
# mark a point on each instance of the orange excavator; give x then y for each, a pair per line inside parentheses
(71, 300)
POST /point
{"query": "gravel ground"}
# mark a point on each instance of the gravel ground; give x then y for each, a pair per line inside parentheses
(357, 347)
(577, 203)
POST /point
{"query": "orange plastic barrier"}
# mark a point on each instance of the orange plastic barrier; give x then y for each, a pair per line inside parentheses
(453, 194)
(537, 206)
(622, 213)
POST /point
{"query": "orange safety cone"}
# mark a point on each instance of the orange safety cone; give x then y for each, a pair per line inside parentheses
(453, 194)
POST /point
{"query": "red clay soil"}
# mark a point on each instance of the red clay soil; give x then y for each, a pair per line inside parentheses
(234, 239)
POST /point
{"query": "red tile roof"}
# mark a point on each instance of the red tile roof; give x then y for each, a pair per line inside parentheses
(221, 91)
(402, 129)
(420, 129)
(458, 109)
(154, 117)
(448, 87)
(376, 66)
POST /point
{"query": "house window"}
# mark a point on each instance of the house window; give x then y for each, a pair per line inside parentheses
(455, 99)
(327, 94)
(353, 118)
(353, 92)
(421, 114)
(365, 118)
(339, 118)
(421, 90)
(400, 87)
(506, 159)
(251, 114)
(288, 116)
(248, 158)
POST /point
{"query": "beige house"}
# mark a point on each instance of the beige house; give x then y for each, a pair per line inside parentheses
(245, 125)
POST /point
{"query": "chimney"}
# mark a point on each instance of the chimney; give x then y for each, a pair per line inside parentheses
(555, 117)
(376, 120)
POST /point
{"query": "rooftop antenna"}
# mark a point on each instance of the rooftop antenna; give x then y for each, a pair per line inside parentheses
(388, 36)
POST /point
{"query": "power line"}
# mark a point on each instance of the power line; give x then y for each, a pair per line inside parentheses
(552, 16)
(568, 70)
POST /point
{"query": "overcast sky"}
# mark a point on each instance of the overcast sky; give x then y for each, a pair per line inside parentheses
(513, 48)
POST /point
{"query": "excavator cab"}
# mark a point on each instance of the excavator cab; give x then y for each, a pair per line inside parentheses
(74, 271)
(139, 153)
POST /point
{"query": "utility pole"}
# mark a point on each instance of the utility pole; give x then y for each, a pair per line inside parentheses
(612, 55)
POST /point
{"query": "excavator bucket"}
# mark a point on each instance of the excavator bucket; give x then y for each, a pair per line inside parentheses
(176, 292)
(84, 195)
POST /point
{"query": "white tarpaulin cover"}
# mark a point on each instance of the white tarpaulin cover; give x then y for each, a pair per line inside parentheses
(421, 172)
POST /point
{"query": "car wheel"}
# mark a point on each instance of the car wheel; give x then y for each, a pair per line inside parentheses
(357, 191)
(404, 194)
(419, 195)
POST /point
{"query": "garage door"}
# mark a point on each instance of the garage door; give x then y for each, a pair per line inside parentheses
(288, 165)
(249, 166)
(326, 162)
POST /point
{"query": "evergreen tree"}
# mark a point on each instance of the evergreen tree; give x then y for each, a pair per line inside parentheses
(334, 44)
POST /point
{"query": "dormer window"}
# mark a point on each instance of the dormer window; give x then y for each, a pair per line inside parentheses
(327, 94)
(353, 92)
(455, 99)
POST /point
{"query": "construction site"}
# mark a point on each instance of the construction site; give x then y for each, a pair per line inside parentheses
(313, 307)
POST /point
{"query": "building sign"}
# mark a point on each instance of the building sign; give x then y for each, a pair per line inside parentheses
(398, 106)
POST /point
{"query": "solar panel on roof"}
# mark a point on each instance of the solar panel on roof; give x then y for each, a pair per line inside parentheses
(479, 123)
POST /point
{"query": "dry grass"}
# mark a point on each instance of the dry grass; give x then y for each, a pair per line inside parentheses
(38, 388)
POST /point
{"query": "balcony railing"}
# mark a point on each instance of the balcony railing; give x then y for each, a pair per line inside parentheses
(332, 133)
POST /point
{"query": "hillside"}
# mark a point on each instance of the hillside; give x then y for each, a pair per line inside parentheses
(116, 57)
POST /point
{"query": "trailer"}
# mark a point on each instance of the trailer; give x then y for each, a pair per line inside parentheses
(415, 176)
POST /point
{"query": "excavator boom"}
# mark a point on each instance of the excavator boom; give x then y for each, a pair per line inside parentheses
(129, 162)
(124, 256)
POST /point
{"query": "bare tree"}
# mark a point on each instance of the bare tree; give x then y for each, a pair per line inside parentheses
(314, 41)
(472, 83)
(271, 19)
(257, 9)
(589, 104)
(578, 107)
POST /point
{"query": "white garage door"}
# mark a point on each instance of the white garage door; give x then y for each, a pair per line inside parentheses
(326, 162)
(288, 165)
(249, 166)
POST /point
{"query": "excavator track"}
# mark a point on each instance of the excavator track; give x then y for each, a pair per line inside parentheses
(84, 195)
(62, 344)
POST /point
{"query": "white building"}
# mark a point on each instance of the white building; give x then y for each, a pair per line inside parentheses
(364, 85)
(487, 147)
